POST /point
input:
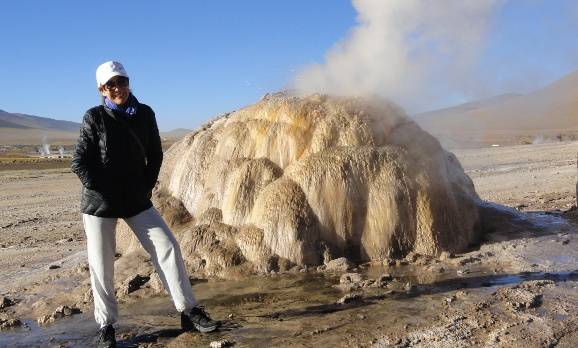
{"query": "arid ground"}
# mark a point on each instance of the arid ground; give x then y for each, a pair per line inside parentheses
(519, 288)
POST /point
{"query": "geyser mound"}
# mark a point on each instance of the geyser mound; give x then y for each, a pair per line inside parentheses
(294, 181)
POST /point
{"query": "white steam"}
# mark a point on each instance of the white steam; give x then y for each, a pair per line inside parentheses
(44, 150)
(411, 51)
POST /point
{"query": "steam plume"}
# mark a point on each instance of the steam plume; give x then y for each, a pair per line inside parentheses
(45, 149)
(410, 51)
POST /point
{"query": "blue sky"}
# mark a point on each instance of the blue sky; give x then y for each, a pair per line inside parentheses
(192, 60)
(531, 43)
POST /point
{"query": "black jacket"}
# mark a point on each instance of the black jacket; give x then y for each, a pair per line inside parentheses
(117, 179)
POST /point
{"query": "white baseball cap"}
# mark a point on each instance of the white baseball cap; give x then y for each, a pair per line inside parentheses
(108, 70)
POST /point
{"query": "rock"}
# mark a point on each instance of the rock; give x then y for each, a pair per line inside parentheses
(388, 262)
(221, 344)
(412, 257)
(156, 284)
(297, 169)
(462, 293)
(536, 285)
(349, 278)
(463, 271)
(368, 283)
(450, 299)
(417, 259)
(319, 331)
(87, 296)
(60, 312)
(349, 287)
(353, 281)
(519, 299)
(349, 298)
(410, 289)
(446, 255)
(173, 210)
(383, 280)
(423, 260)
(82, 268)
(6, 302)
(468, 260)
(7, 323)
(386, 277)
(340, 264)
(210, 250)
(44, 320)
(66, 311)
(133, 283)
(53, 267)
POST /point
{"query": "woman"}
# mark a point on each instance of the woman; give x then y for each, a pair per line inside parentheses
(118, 158)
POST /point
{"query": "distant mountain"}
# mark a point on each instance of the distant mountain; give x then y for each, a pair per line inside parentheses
(8, 124)
(175, 133)
(548, 111)
(463, 109)
(16, 128)
(30, 121)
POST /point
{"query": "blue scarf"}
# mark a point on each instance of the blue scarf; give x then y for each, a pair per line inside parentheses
(127, 109)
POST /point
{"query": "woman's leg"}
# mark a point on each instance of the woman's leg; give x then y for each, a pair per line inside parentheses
(157, 239)
(100, 245)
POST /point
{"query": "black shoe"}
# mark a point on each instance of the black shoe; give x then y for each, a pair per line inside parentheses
(199, 320)
(106, 338)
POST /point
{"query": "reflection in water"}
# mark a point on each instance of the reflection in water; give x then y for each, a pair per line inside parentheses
(268, 308)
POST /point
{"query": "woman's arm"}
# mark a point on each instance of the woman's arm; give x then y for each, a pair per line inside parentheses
(85, 158)
(154, 153)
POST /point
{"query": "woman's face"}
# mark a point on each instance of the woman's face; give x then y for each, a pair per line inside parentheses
(116, 89)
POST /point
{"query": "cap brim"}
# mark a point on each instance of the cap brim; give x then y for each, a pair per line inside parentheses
(110, 76)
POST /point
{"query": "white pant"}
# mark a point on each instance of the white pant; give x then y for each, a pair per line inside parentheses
(157, 240)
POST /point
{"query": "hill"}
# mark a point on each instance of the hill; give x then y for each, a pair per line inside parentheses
(17, 128)
(30, 121)
(8, 124)
(549, 112)
(176, 134)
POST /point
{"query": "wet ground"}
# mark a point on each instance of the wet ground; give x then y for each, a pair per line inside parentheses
(302, 310)
(283, 310)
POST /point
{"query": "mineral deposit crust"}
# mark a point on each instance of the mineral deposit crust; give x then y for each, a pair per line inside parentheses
(294, 181)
